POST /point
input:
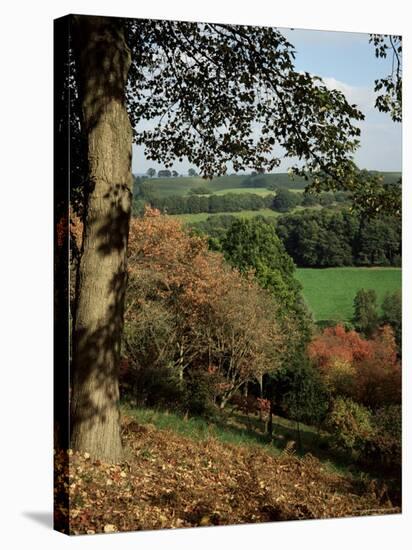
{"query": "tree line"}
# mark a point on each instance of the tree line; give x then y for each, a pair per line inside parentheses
(203, 200)
(166, 173)
(325, 237)
(328, 238)
(195, 204)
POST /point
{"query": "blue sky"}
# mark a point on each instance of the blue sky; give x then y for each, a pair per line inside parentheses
(345, 61)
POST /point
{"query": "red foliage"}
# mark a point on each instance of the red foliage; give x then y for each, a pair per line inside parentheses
(264, 404)
(337, 344)
(371, 364)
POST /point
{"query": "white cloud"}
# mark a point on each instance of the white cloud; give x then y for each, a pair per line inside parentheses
(362, 96)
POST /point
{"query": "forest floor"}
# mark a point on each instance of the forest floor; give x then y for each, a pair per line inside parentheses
(171, 480)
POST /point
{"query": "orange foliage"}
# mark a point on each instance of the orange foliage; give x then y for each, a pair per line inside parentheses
(378, 379)
(76, 229)
(182, 262)
(337, 344)
(370, 367)
(217, 307)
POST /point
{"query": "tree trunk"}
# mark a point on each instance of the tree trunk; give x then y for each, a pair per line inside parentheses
(270, 420)
(260, 382)
(103, 60)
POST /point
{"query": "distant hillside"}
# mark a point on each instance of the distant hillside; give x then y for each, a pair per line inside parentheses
(182, 185)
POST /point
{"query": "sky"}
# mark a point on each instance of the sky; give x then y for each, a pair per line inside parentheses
(345, 61)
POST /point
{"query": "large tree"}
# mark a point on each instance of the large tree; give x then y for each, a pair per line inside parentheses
(215, 93)
(103, 61)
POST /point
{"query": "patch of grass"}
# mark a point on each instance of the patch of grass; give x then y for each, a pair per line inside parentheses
(200, 429)
(235, 428)
(330, 292)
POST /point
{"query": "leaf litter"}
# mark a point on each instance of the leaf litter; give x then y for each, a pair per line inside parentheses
(170, 481)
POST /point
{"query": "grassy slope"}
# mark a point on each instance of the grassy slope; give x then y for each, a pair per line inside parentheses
(236, 428)
(330, 292)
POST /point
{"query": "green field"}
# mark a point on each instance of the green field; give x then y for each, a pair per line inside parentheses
(165, 187)
(330, 292)
(202, 216)
(262, 191)
(265, 212)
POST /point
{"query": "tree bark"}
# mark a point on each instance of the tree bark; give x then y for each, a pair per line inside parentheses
(103, 61)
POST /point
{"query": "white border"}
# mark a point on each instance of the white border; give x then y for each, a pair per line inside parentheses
(26, 269)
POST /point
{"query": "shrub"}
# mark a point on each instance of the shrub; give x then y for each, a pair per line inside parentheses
(389, 420)
(385, 446)
(365, 370)
(339, 378)
(309, 199)
(299, 391)
(350, 426)
(201, 392)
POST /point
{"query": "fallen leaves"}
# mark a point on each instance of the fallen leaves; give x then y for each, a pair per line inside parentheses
(187, 483)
